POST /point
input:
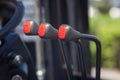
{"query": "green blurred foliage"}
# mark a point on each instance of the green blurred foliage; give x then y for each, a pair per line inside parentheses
(108, 31)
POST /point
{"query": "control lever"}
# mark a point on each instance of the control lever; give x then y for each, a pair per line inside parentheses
(69, 34)
(47, 31)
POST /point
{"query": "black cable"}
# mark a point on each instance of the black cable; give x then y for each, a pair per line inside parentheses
(65, 58)
(98, 52)
(81, 62)
(14, 21)
(32, 70)
(10, 25)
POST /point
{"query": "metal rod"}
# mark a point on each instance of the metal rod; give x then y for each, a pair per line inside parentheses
(81, 62)
(98, 52)
(67, 63)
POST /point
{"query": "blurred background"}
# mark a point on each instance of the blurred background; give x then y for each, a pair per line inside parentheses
(104, 22)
